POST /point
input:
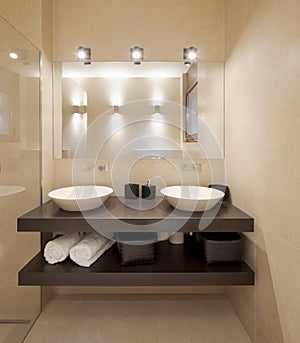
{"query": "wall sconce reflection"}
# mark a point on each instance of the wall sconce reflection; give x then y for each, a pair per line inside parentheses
(156, 109)
(116, 109)
(82, 109)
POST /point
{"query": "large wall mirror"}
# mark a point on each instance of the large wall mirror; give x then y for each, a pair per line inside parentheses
(163, 99)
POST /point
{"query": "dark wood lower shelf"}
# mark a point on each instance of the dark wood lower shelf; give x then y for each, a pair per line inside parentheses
(177, 265)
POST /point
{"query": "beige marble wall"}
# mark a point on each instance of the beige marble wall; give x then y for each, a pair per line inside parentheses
(163, 28)
(25, 16)
(162, 172)
(262, 138)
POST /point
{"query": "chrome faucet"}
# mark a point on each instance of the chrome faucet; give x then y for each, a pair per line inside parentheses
(88, 168)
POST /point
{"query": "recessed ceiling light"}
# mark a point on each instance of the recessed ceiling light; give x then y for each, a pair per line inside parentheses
(13, 55)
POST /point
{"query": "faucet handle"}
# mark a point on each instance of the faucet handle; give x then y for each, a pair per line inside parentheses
(103, 167)
(88, 168)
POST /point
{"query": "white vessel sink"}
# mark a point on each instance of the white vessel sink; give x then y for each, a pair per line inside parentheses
(10, 189)
(192, 198)
(80, 198)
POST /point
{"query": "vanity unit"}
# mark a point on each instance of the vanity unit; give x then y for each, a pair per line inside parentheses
(176, 265)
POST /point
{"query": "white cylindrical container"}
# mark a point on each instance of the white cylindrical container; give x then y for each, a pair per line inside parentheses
(177, 238)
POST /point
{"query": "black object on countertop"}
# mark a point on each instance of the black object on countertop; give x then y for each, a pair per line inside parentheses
(222, 188)
(148, 192)
(132, 190)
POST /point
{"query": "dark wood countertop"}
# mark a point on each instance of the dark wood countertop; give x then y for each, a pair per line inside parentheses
(122, 215)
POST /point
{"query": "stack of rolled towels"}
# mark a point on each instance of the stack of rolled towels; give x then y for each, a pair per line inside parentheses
(82, 249)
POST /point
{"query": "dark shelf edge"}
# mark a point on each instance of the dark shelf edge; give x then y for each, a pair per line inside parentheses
(222, 274)
(48, 218)
(140, 279)
(81, 225)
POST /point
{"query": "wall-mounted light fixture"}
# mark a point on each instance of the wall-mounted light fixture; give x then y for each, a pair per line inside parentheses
(116, 109)
(82, 109)
(137, 54)
(156, 109)
(189, 55)
(84, 54)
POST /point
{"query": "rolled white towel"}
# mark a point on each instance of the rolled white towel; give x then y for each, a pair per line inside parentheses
(58, 249)
(89, 249)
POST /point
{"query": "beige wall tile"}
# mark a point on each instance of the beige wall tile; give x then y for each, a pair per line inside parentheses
(161, 172)
(111, 28)
(267, 315)
(261, 127)
(260, 336)
(284, 265)
(242, 300)
(25, 17)
(262, 131)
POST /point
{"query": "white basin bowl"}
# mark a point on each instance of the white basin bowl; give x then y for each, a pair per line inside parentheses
(192, 198)
(80, 198)
(10, 189)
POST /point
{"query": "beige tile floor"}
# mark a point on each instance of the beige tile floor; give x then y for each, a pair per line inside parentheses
(13, 333)
(138, 319)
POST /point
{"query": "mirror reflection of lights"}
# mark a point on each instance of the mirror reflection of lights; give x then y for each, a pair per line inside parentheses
(157, 97)
(78, 122)
(116, 98)
(157, 109)
(82, 109)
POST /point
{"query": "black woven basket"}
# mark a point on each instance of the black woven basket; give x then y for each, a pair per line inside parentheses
(219, 247)
(136, 248)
